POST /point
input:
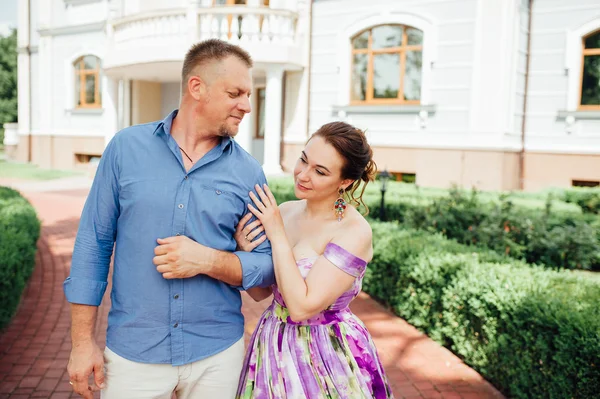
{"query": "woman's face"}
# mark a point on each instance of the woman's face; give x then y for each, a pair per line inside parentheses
(317, 173)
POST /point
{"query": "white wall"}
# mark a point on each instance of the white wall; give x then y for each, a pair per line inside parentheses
(63, 118)
(145, 102)
(65, 12)
(555, 76)
(170, 95)
(448, 59)
(520, 66)
(295, 106)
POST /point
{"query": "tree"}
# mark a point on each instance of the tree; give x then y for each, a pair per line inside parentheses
(8, 80)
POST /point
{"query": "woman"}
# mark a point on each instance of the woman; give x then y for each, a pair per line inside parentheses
(308, 344)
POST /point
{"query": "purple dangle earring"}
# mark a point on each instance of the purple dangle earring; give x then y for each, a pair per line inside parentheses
(340, 205)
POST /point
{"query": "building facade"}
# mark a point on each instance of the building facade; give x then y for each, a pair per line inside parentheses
(496, 94)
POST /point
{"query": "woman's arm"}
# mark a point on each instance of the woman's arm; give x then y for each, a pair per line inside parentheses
(245, 238)
(325, 282)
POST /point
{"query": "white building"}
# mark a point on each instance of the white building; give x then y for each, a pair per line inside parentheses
(449, 91)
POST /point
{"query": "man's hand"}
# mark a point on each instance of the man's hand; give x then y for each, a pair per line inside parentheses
(181, 257)
(86, 359)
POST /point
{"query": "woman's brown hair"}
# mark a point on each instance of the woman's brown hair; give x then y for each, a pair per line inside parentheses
(351, 143)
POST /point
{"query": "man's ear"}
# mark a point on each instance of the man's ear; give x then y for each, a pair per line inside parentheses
(197, 87)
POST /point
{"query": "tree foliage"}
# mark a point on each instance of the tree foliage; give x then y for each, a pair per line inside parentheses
(8, 78)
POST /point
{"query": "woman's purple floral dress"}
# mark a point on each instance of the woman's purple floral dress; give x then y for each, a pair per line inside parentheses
(330, 355)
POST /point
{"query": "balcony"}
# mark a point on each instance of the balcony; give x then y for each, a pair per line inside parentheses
(151, 44)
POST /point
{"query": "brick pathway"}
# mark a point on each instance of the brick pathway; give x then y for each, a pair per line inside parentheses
(34, 348)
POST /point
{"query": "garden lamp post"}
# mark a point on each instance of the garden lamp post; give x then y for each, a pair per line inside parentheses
(384, 176)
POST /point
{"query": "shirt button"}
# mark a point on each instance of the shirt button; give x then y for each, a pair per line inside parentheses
(176, 296)
(186, 177)
(175, 325)
(218, 192)
(180, 206)
(178, 234)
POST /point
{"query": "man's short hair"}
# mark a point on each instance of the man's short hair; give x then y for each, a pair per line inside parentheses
(211, 50)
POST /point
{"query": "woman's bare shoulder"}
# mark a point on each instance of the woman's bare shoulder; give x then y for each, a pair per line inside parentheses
(356, 224)
(289, 207)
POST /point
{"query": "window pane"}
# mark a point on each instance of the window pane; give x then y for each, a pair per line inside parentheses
(590, 88)
(90, 89)
(414, 37)
(361, 41)
(386, 75)
(387, 36)
(593, 41)
(412, 75)
(77, 94)
(78, 64)
(90, 62)
(359, 77)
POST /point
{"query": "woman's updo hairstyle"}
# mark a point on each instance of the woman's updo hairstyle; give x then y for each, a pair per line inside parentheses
(351, 143)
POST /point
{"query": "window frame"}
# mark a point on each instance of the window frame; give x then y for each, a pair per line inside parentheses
(259, 102)
(81, 74)
(390, 17)
(586, 52)
(400, 50)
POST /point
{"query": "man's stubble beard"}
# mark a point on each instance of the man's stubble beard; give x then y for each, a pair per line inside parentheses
(225, 132)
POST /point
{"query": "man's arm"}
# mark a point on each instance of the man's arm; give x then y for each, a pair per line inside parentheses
(87, 281)
(181, 257)
(86, 357)
(257, 266)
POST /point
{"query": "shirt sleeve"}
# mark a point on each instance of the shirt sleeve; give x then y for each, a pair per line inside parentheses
(257, 266)
(96, 235)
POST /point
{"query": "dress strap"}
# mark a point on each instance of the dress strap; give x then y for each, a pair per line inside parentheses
(344, 260)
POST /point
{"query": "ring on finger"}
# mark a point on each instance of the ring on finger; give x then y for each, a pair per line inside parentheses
(247, 239)
(71, 382)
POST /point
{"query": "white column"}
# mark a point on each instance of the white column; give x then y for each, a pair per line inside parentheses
(493, 74)
(192, 21)
(124, 105)
(110, 103)
(273, 108)
(246, 129)
(45, 78)
(23, 65)
(244, 136)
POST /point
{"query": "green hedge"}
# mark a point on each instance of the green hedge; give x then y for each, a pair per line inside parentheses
(540, 228)
(532, 332)
(19, 232)
(588, 199)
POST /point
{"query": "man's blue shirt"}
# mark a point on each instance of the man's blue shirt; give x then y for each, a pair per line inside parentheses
(142, 192)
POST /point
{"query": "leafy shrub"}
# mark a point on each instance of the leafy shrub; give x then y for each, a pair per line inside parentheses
(19, 232)
(538, 228)
(531, 331)
(588, 199)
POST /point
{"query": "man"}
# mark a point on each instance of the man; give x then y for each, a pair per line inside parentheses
(168, 196)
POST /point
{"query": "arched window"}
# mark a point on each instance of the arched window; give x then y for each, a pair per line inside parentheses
(590, 78)
(387, 65)
(87, 82)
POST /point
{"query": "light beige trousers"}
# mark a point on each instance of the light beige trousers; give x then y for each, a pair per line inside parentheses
(214, 377)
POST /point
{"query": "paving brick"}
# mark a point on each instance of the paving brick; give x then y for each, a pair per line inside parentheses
(35, 347)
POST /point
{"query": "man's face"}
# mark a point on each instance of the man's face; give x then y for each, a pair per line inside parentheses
(227, 97)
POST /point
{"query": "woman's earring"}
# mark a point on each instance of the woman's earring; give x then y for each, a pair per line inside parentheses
(340, 205)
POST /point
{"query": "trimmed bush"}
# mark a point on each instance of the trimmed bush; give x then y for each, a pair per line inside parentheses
(539, 228)
(588, 199)
(19, 232)
(532, 332)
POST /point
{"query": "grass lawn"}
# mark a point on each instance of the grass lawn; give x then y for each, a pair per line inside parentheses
(16, 170)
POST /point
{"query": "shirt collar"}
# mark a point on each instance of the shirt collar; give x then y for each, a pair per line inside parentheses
(168, 122)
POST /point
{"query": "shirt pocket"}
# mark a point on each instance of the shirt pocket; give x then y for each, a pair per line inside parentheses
(222, 210)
